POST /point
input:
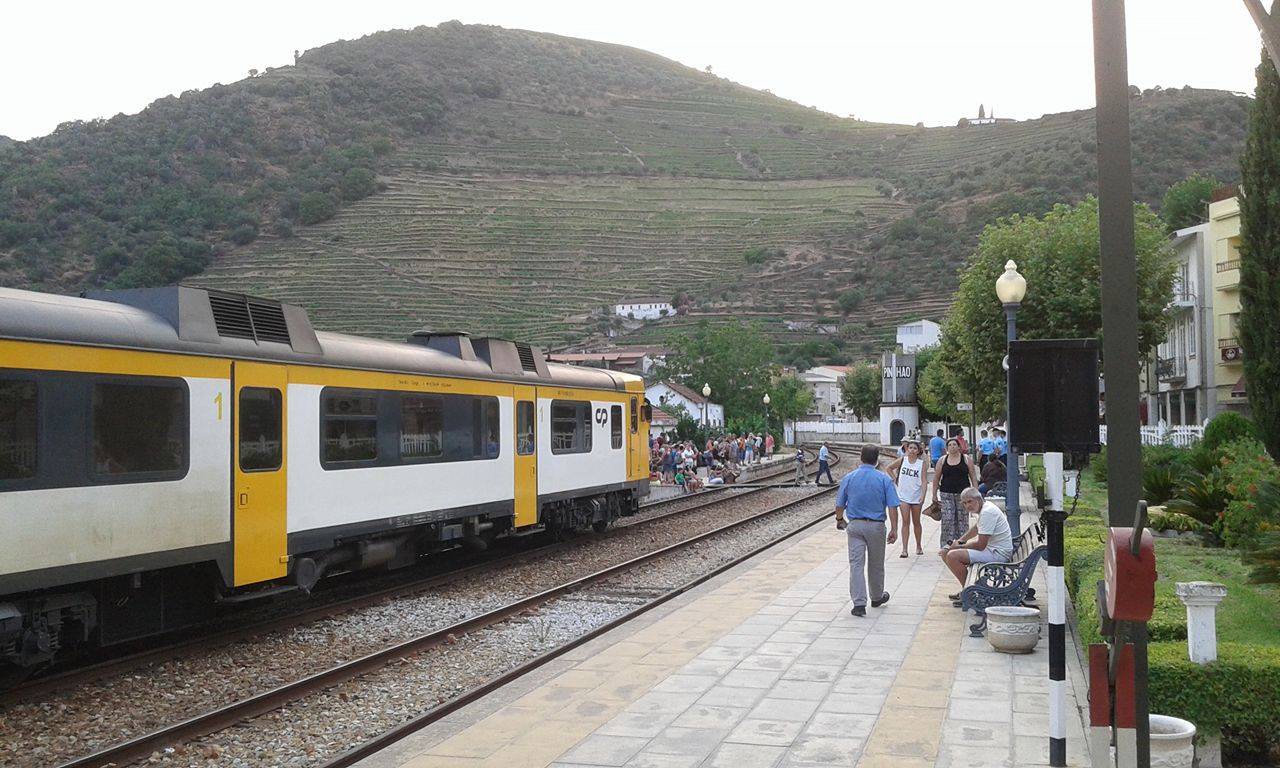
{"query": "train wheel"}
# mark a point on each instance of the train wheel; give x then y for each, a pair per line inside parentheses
(600, 526)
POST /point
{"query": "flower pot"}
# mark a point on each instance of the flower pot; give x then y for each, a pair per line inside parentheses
(1172, 742)
(1013, 629)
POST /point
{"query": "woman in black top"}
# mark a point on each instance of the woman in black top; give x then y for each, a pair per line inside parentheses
(953, 472)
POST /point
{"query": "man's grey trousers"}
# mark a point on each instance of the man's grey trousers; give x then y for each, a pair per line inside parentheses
(866, 551)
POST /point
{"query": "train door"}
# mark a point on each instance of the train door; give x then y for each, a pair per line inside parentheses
(526, 463)
(258, 512)
(637, 444)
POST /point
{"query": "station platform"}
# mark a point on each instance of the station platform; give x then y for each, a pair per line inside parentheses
(764, 666)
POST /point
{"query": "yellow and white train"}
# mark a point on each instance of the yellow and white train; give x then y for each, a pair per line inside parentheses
(165, 450)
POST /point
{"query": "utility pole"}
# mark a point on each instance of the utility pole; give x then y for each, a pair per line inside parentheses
(1119, 292)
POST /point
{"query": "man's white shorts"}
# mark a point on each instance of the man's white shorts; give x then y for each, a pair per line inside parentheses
(987, 556)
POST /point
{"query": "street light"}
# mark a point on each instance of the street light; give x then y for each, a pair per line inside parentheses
(1011, 287)
(706, 401)
(765, 400)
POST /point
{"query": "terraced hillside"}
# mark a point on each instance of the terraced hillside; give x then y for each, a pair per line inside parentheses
(504, 181)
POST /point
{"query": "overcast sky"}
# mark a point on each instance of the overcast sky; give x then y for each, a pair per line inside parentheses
(900, 61)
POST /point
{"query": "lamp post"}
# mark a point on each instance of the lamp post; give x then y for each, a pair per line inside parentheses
(706, 402)
(765, 400)
(1011, 287)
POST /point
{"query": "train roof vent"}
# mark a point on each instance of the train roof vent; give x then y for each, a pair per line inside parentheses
(268, 321)
(231, 315)
(527, 360)
(242, 317)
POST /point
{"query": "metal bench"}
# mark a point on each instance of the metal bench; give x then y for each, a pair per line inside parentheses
(1003, 583)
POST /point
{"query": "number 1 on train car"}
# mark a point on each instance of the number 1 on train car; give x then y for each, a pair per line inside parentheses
(258, 501)
(526, 463)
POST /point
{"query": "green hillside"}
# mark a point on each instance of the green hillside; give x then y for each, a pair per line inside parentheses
(515, 182)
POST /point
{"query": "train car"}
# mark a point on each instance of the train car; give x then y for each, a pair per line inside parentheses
(163, 451)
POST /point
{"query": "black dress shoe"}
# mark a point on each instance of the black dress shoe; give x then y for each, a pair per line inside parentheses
(859, 610)
(883, 599)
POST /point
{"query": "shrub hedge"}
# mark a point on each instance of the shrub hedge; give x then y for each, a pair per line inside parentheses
(1237, 696)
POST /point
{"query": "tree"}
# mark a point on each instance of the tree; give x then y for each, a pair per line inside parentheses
(358, 183)
(850, 300)
(1058, 255)
(316, 207)
(1186, 203)
(860, 391)
(1260, 256)
(789, 399)
(735, 359)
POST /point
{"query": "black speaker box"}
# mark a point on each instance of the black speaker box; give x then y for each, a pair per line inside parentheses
(1053, 395)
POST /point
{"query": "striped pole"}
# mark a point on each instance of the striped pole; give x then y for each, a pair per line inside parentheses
(1055, 514)
(1099, 706)
(1126, 720)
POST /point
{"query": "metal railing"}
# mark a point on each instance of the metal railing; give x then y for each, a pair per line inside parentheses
(1170, 368)
(1228, 265)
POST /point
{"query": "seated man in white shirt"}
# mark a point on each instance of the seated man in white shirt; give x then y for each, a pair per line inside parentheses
(987, 541)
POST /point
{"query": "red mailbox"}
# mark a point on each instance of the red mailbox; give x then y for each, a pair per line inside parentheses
(1130, 580)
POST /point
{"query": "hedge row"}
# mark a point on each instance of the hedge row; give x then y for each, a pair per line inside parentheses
(1238, 696)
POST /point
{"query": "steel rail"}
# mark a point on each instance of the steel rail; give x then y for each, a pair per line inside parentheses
(267, 701)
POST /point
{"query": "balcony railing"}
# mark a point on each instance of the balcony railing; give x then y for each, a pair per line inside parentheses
(1228, 265)
(1229, 350)
(1171, 368)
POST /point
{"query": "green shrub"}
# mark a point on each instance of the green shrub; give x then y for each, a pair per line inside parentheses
(1170, 520)
(1237, 696)
(1098, 467)
(1158, 484)
(1248, 468)
(1228, 427)
(1169, 457)
(1201, 496)
(316, 207)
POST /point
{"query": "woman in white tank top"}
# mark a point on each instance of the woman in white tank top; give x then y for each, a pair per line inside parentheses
(908, 473)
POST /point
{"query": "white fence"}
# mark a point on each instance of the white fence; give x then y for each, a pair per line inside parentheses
(844, 431)
(1162, 434)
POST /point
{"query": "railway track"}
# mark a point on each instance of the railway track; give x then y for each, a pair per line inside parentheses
(268, 701)
(468, 567)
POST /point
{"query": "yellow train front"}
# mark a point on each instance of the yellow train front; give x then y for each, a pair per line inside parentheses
(166, 450)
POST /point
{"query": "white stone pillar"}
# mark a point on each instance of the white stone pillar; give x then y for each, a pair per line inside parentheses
(1201, 599)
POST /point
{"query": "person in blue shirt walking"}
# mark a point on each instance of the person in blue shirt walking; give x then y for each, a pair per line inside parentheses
(1002, 445)
(862, 503)
(937, 444)
(986, 449)
(824, 465)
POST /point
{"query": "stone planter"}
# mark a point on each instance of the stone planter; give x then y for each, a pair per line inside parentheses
(1013, 629)
(1172, 742)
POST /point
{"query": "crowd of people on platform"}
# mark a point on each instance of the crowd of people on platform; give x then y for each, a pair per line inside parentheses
(724, 458)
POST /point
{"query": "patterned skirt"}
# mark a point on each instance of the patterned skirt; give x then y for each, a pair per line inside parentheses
(955, 521)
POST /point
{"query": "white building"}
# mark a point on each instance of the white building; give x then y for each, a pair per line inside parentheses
(825, 383)
(669, 393)
(921, 334)
(644, 310)
(1184, 361)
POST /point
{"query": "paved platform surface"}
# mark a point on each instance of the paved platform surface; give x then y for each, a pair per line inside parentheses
(764, 666)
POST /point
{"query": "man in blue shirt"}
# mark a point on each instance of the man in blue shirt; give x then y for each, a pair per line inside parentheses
(986, 448)
(824, 458)
(1002, 445)
(861, 503)
(937, 444)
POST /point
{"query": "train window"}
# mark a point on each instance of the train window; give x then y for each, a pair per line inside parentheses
(524, 428)
(17, 429)
(485, 427)
(350, 427)
(421, 427)
(635, 417)
(260, 430)
(615, 426)
(570, 427)
(138, 428)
